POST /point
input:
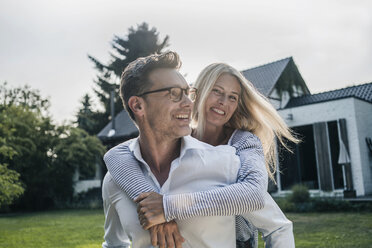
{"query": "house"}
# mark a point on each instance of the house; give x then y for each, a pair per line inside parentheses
(335, 155)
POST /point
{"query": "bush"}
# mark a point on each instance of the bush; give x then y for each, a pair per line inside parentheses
(285, 205)
(300, 194)
(325, 204)
(91, 199)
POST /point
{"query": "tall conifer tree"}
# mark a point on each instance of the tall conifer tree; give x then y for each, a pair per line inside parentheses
(139, 42)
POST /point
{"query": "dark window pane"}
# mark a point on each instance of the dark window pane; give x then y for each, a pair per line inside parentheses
(300, 166)
(335, 151)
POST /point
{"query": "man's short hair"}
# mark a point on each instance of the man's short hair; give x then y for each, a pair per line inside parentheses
(134, 79)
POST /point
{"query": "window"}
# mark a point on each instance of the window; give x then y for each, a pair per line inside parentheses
(299, 166)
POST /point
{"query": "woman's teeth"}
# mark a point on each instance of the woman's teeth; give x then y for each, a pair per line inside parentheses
(218, 111)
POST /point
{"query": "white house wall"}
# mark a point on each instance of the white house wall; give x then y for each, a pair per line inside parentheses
(364, 126)
(330, 111)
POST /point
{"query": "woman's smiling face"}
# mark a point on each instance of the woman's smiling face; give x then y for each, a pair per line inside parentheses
(222, 100)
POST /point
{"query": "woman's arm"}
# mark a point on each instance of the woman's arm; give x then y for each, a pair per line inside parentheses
(126, 172)
(244, 196)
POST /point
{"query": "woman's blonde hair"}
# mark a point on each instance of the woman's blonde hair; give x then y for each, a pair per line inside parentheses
(254, 113)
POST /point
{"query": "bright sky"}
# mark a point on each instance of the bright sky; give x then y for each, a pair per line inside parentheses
(45, 43)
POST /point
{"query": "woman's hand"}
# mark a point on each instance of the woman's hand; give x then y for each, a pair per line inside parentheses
(166, 235)
(150, 209)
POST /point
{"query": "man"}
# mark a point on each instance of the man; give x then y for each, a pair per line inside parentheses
(155, 96)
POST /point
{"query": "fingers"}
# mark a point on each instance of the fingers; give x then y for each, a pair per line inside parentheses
(178, 239)
(169, 239)
(161, 237)
(166, 235)
(142, 196)
(154, 236)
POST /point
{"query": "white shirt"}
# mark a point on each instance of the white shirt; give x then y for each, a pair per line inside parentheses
(199, 167)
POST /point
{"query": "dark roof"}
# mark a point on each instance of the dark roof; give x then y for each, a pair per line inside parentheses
(264, 77)
(124, 127)
(362, 92)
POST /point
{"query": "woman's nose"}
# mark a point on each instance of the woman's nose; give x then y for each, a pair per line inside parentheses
(222, 99)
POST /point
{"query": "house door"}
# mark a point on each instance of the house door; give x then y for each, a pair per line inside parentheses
(314, 161)
(299, 166)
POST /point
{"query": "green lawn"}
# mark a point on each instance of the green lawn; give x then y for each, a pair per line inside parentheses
(69, 228)
(84, 229)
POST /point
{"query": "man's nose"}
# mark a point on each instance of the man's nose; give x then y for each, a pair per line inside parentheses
(186, 101)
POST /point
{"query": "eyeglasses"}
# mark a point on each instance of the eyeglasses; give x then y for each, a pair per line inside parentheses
(175, 93)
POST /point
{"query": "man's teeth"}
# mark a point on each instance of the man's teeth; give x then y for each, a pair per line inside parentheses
(218, 111)
(182, 116)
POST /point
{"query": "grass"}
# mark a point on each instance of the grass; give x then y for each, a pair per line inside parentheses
(331, 230)
(57, 229)
(84, 229)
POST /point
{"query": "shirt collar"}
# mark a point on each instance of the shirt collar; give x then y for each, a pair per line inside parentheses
(187, 143)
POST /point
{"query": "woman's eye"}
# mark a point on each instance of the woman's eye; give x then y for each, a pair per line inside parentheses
(217, 92)
(233, 98)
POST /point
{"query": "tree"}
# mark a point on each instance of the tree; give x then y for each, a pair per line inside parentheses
(45, 156)
(10, 185)
(25, 97)
(85, 119)
(31, 138)
(139, 42)
(75, 151)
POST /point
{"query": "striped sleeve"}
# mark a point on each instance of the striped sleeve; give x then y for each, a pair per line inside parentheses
(244, 196)
(126, 172)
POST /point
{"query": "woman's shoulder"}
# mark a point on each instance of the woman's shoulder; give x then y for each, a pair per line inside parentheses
(242, 139)
(118, 150)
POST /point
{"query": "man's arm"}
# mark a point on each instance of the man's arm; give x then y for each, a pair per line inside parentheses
(276, 229)
(126, 172)
(115, 236)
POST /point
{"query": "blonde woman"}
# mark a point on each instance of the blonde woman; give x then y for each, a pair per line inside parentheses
(228, 110)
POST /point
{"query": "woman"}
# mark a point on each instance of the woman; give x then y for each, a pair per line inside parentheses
(227, 110)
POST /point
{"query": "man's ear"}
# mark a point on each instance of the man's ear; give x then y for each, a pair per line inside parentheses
(136, 104)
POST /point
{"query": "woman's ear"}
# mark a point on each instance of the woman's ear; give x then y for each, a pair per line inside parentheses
(136, 104)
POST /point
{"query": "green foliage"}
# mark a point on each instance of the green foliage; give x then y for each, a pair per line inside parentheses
(31, 137)
(77, 149)
(86, 118)
(326, 204)
(91, 199)
(23, 96)
(321, 204)
(139, 42)
(300, 193)
(10, 186)
(44, 155)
